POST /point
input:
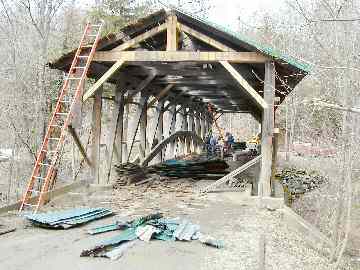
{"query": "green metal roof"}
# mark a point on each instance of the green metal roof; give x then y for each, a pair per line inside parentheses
(277, 55)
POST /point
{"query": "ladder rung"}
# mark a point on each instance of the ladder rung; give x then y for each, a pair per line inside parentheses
(61, 113)
(44, 164)
(28, 204)
(46, 151)
(56, 126)
(83, 56)
(74, 78)
(92, 35)
(79, 67)
(87, 46)
(65, 101)
(95, 25)
(55, 139)
(39, 177)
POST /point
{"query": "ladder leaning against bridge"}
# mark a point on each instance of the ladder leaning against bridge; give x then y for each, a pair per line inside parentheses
(44, 170)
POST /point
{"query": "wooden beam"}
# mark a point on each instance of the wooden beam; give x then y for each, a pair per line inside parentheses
(78, 143)
(267, 130)
(103, 79)
(171, 34)
(160, 95)
(180, 56)
(143, 126)
(140, 87)
(204, 38)
(251, 92)
(135, 123)
(140, 38)
(125, 132)
(172, 129)
(116, 129)
(160, 128)
(231, 175)
(179, 134)
(96, 134)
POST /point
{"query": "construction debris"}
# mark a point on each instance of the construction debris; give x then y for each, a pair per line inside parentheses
(145, 228)
(196, 169)
(68, 218)
(129, 173)
(297, 181)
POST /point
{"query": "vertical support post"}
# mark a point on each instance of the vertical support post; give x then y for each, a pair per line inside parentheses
(267, 130)
(171, 34)
(143, 126)
(96, 134)
(189, 142)
(116, 131)
(172, 129)
(202, 126)
(198, 131)
(125, 131)
(160, 128)
(274, 159)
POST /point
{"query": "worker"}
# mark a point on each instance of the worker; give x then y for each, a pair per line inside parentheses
(212, 144)
(229, 142)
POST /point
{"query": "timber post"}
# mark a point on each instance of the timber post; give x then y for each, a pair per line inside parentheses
(96, 135)
(172, 129)
(267, 130)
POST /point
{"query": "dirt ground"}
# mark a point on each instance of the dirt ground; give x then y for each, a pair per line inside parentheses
(230, 217)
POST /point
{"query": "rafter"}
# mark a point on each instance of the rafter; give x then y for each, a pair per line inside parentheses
(212, 42)
(245, 85)
(140, 38)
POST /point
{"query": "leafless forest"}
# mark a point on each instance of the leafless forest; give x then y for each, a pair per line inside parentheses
(323, 110)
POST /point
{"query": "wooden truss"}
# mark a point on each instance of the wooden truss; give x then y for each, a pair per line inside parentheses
(176, 96)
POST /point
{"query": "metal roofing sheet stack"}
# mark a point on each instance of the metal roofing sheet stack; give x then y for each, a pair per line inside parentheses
(68, 218)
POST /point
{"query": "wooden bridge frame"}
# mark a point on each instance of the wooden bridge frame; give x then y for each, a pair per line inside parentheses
(194, 117)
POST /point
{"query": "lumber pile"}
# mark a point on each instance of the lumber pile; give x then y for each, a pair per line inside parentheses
(196, 169)
(129, 173)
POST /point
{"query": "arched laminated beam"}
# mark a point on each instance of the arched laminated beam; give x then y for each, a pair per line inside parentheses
(173, 137)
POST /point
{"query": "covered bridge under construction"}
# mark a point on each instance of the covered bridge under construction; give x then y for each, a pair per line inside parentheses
(185, 66)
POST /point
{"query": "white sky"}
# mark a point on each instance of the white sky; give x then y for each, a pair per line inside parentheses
(226, 12)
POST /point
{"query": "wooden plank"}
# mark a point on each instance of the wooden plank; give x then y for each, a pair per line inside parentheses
(251, 92)
(96, 135)
(267, 129)
(140, 38)
(159, 96)
(103, 79)
(171, 33)
(78, 143)
(180, 56)
(51, 194)
(231, 175)
(204, 38)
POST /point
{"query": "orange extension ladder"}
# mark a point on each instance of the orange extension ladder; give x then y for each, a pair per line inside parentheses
(44, 171)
